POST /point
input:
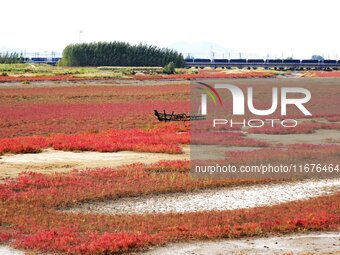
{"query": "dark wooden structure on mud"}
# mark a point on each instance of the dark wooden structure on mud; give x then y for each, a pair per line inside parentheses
(167, 117)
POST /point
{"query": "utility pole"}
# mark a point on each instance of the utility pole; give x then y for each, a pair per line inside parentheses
(212, 54)
(80, 32)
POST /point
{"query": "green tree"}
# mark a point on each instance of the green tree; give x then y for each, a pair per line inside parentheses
(119, 54)
(11, 58)
(317, 57)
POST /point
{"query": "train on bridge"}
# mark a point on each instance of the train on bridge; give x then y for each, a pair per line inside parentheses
(38, 60)
(277, 64)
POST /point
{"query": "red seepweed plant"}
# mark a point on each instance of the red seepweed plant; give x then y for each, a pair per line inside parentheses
(166, 139)
(29, 219)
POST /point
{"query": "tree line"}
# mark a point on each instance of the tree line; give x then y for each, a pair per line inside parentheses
(10, 58)
(119, 54)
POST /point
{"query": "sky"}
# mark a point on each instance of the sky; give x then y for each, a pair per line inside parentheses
(298, 28)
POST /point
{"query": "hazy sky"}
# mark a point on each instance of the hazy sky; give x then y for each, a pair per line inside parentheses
(299, 27)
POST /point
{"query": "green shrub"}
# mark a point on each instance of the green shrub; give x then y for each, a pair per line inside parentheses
(169, 68)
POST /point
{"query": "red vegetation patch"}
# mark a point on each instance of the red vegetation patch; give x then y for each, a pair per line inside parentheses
(40, 78)
(70, 241)
(302, 128)
(41, 111)
(334, 118)
(29, 220)
(201, 74)
(207, 74)
(299, 153)
(41, 119)
(325, 74)
(92, 93)
(226, 138)
(165, 139)
(4, 237)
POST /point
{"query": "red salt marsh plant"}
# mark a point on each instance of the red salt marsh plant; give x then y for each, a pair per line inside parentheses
(29, 219)
(42, 119)
(199, 74)
(165, 139)
(299, 153)
(226, 138)
(97, 93)
(208, 74)
(324, 74)
(334, 118)
(301, 128)
(42, 111)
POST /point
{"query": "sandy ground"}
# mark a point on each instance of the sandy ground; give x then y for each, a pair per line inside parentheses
(302, 244)
(229, 198)
(5, 250)
(319, 137)
(51, 160)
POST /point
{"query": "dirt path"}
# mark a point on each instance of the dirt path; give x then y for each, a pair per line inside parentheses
(303, 244)
(215, 199)
(319, 137)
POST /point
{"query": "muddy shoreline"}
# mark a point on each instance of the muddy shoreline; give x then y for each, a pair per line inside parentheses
(228, 198)
(320, 243)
